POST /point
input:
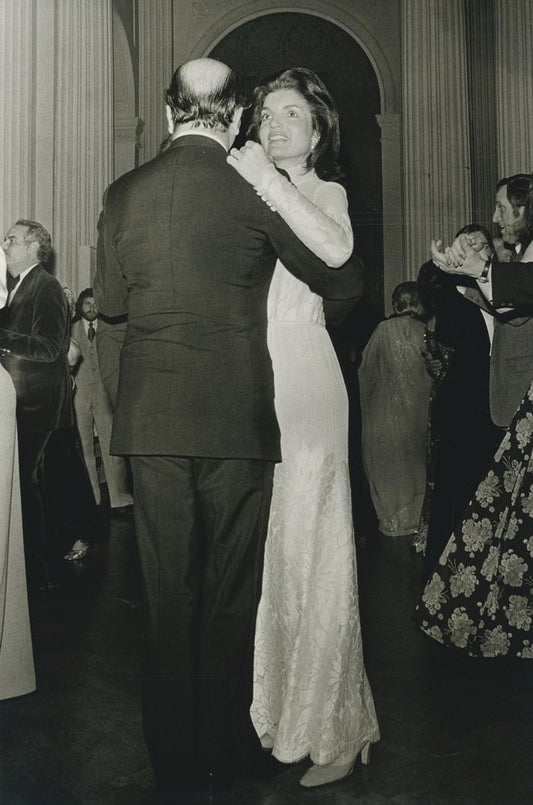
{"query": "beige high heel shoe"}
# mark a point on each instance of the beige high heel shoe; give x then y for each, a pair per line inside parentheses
(338, 769)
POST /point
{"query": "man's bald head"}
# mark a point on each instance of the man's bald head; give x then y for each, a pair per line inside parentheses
(206, 92)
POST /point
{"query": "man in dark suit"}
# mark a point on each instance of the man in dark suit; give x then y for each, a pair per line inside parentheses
(188, 249)
(34, 339)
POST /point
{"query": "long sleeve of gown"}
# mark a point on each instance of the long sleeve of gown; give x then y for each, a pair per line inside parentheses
(324, 229)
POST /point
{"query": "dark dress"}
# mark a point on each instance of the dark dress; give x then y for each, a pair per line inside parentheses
(479, 598)
(462, 436)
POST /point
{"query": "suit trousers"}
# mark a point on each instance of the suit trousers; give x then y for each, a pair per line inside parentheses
(93, 409)
(201, 526)
(32, 445)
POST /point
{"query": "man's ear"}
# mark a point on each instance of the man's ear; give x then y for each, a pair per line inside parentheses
(33, 248)
(170, 121)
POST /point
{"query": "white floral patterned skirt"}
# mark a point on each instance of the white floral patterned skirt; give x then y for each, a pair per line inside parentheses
(479, 598)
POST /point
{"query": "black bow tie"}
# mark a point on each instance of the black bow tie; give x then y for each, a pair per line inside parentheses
(12, 282)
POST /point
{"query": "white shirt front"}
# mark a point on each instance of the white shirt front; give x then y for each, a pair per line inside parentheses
(86, 325)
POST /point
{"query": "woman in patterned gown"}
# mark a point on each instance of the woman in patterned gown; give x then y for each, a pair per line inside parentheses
(311, 693)
(395, 391)
(17, 674)
(479, 598)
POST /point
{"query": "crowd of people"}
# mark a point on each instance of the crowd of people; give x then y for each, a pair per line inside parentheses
(230, 414)
(471, 513)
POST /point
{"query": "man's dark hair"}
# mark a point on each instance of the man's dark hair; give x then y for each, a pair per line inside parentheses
(211, 103)
(323, 157)
(471, 229)
(38, 234)
(87, 293)
(520, 194)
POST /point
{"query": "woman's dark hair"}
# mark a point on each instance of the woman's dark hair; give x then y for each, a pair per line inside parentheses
(433, 284)
(323, 157)
(406, 301)
(470, 229)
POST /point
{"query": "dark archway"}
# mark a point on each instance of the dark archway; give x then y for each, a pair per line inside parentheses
(276, 41)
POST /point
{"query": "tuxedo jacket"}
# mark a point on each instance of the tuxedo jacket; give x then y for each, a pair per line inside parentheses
(512, 284)
(187, 249)
(511, 363)
(35, 328)
(511, 369)
(109, 340)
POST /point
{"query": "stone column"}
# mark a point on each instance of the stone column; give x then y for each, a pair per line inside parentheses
(128, 137)
(17, 152)
(480, 25)
(83, 128)
(155, 70)
(435, 125)
(514, 85)
(394, 267)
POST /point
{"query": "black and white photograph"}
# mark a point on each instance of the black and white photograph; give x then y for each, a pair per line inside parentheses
(266, 402)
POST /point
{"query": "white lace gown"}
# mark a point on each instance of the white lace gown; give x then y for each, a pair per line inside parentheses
(17, 673)
(311, 693)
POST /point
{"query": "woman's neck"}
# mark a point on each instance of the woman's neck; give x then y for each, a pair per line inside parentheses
(297, 173)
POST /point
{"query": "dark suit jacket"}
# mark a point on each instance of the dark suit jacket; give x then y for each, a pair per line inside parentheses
(188, 249)
(35, 328)
(511, 364)
(109, 340)
(512, 284)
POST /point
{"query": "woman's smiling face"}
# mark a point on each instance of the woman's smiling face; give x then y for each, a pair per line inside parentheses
(286, 130)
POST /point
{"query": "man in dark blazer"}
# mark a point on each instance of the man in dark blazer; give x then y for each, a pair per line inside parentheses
(34, 339)
(188, 249)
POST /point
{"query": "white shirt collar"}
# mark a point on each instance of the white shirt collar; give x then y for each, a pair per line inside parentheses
(86, 324)
(200, 133)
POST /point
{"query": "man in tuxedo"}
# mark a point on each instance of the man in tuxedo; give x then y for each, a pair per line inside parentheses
(93, 407)
(34, 340)
(187, 249)
(511, 364)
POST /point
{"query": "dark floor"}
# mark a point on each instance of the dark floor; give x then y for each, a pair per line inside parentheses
(454, 730)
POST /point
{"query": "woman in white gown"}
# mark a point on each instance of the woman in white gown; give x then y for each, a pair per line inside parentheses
(17, 675)
(311, 693)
